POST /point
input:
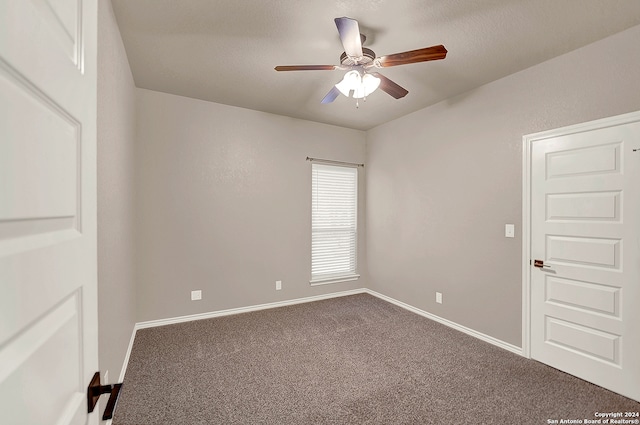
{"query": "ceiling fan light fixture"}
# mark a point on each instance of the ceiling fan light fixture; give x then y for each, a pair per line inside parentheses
(349, 83)
(369, 84)
(360, 85)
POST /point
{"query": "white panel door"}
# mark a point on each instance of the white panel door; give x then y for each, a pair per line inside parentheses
(585, 215)
(48, 281)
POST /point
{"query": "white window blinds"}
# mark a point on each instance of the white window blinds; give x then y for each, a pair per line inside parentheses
(334, 215)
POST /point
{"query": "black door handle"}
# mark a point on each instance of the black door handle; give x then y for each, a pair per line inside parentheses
(95, 390)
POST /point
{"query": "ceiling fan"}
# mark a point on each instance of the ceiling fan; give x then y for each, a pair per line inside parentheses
(359, 61)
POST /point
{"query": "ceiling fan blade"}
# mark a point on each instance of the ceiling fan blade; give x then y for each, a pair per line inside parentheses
(331, 96)
(350, 36)
(389, 87)
(421, 55)
(305, 68)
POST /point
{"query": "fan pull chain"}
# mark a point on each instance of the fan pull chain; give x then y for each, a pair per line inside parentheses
(364, 99)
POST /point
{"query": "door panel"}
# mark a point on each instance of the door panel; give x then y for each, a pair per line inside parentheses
(594, 206)
(585, 210)
(48, 280)
(594, 252)
(583, 339)
(50, 190)
(56, 337)
(63, 21)
(583, 295)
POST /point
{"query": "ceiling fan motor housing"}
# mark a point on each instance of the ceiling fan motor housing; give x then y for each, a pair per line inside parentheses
(368, 56)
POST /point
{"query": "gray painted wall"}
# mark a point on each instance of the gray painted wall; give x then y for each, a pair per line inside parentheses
(442, 183)
(224, 204)
(116, 139)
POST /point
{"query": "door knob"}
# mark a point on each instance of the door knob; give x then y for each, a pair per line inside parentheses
(95, 390)
(539, 264)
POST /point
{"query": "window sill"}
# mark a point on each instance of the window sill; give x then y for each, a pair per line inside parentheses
(337, 279)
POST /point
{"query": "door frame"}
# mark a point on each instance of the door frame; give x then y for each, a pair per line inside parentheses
(527, 145)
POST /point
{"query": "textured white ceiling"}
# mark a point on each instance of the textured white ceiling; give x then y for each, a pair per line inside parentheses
(224, 51)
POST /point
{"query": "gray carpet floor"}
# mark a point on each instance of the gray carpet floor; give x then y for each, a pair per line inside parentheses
(348, 360)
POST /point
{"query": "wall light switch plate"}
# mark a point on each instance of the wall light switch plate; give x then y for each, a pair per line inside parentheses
(439, 297)
(509, 230)
(278, 285)
(196, 295)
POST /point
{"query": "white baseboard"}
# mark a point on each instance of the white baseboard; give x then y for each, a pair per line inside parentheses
(125, 363)
(219, 313)
(123, 371)
(486, 338)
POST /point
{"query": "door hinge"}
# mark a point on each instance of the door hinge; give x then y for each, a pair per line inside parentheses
(95, 390)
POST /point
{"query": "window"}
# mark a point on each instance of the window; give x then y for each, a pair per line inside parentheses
(334, 231)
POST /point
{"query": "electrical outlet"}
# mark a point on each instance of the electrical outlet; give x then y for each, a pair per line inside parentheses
(196, 295)
(439, 297)
(278, 285)
(105, 379)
